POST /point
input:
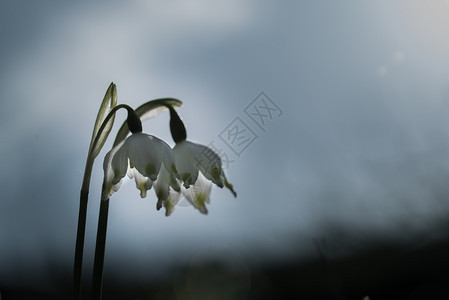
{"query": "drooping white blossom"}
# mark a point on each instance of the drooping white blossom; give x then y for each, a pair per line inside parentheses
(150, 162)
(199, 167)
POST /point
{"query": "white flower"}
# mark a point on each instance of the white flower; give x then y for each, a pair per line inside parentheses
(199, 167)
(149, 161)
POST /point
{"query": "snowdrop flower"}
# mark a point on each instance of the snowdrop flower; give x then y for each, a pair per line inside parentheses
(146, 159)
(198, 165)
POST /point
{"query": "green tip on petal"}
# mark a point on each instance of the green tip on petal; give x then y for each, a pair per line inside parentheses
(151, 171)
(169, 207)
(143, 189)
(215, 172)
(159, 204)
(200, 202)
(161, 194)
(230, 187)
(187, 179)
(174, 183)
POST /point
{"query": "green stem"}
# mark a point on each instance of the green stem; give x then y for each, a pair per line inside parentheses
(97, 281)
(106, 120)
(82, 215)
(143, 112)
(104, 206)
(79, 247)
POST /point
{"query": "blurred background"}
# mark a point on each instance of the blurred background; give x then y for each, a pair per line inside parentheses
(331, 118)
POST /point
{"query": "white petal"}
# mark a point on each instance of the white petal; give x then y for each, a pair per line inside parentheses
(191, 157)
(171, 201)
(167, 190)
(206, 159)
(110, 185)
(199, 193)
(146, 153)
(207, 162)
(147, 157)
(185, 164)
(142, 183)
(164, 182)
(119, 163)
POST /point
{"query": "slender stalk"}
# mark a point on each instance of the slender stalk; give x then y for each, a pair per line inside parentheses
(134, 125)
(110, 99)
(79, 247)
(97, 281)
(111, 114)
(82, 215)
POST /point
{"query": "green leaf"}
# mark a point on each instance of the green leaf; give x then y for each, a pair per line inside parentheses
(109, 102)
(145, 111)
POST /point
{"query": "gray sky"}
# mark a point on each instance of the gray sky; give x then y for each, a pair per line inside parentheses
(358, 141)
